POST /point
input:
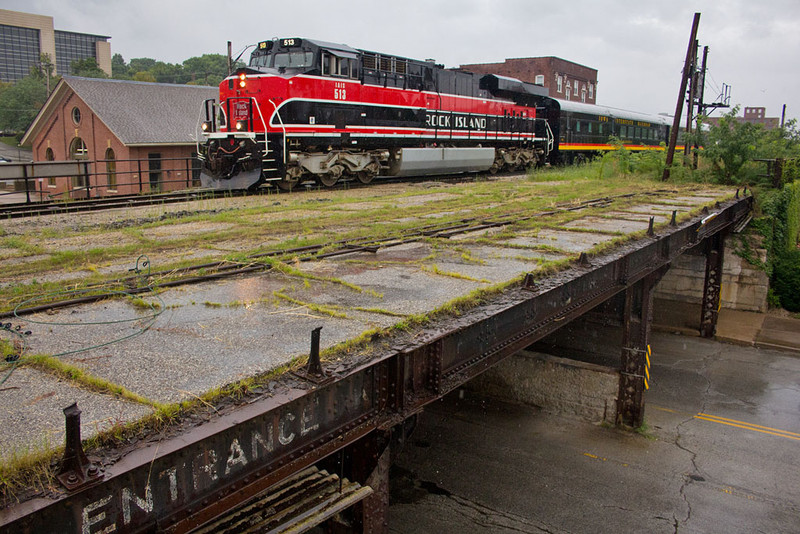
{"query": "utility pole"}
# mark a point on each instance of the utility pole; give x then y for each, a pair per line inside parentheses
(701, 109)
(783, 116)
(676, 122)
(690, 100)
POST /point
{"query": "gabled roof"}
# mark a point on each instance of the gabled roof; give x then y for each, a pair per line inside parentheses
(138, 113)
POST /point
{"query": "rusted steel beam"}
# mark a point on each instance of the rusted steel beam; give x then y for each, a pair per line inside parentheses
(182, 482)
(712, 284)
(636, 321)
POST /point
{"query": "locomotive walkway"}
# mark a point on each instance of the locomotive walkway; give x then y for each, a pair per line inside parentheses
(185, 342)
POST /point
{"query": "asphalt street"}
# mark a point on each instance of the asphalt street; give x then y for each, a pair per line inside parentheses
(719, 454)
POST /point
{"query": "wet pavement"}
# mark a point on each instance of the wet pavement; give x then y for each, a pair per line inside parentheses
(719, 454)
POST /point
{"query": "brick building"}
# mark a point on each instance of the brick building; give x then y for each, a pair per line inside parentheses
(753, 115)
(564, 79)
(137, 136)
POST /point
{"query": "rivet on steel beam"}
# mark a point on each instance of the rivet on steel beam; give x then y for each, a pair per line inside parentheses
(650, 231)
(76, 469)
(314, 366)
(674, 220)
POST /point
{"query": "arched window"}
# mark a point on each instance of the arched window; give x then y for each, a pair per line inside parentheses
(49, 156)
(111, 169)
(78, 150)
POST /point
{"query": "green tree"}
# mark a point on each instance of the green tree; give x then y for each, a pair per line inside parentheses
(144, 76)
(119, 69)
(20, 103)
(168, 73)
(208, 69)
(141, 64)
(730, 145)
(88, 68)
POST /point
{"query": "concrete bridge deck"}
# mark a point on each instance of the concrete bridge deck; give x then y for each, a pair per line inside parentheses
(216, 333)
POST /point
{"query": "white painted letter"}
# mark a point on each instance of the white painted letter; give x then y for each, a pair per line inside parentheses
(89, 521)
(236, 456)
(145, 504)
(282, 437)
(172, 473)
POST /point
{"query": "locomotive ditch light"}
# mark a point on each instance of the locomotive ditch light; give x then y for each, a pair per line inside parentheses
(206, 126)
(240, 125)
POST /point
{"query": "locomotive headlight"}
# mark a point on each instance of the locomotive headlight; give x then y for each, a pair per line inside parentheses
(242, 78)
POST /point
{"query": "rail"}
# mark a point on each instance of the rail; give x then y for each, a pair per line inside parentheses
(36, 182)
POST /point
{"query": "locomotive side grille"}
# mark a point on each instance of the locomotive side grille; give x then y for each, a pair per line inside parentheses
(369, 61)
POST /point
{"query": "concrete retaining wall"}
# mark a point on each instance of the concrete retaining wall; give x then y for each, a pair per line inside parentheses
(744, 287)
(557, 385)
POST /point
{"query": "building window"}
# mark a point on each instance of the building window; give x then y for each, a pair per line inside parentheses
(72, 46)
(49, 156)
(539, 80)
(591, 90)
(583, 95)
(154, 165)
(76, 115)
(569, 91)
(559, 81)
(111, 169)
(576, 87)
(78, 150)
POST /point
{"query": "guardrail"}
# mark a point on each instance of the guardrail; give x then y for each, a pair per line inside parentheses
(79, 179)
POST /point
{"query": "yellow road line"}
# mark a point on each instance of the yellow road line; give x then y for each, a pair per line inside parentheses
(748, 426)
(734, 423)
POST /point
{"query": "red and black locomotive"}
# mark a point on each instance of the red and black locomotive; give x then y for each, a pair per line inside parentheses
(310, 110)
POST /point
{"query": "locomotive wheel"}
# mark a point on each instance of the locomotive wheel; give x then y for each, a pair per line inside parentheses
(287, 184)
(365, 177)
(328, 179)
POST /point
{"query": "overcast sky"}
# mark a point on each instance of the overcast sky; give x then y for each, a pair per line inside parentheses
(638, 47)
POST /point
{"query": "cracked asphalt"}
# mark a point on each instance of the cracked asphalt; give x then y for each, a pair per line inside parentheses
(720, 454)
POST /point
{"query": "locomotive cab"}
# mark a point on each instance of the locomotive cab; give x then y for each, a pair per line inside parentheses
(294, 56)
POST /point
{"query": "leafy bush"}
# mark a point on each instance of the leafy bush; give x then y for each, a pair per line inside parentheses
(786, 280)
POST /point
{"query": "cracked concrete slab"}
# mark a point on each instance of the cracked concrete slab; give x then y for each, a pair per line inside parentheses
(215, 333)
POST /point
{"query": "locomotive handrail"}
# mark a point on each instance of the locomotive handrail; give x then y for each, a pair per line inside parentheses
(551, 139)
(283, 127)
(263, 123)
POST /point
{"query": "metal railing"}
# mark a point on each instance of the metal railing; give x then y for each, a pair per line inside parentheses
(81, 179)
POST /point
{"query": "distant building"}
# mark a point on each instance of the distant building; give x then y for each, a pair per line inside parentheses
(23, 37)
(753, 115)
(564, 79)
(136, 136)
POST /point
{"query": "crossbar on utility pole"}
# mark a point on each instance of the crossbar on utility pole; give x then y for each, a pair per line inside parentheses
(676, 122)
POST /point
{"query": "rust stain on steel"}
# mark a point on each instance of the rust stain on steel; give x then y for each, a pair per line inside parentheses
(186, 480)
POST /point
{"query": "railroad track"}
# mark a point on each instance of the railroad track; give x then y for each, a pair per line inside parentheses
(143, 280)
(36, 209)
